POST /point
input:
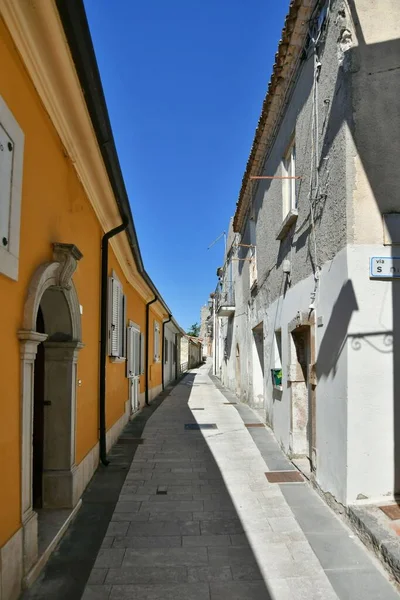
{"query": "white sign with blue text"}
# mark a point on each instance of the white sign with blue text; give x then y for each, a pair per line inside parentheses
(385, 267)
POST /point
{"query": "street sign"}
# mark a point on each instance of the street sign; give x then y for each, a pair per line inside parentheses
(385, 267)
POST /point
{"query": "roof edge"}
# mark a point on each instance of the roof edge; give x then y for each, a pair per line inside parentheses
(286, 61)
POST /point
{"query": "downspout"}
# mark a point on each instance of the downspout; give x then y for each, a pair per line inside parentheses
(163, 349)
(103, 336)
(176, 356)
(147, 349)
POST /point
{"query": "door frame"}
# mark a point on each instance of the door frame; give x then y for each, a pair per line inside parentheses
(133, 366)
(307, 432)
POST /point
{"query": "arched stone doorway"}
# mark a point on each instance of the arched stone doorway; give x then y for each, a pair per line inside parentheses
(51, 334)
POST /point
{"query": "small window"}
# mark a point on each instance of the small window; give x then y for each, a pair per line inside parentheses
(289, 185)
(156, 341)
(117, 319)
(11, 166)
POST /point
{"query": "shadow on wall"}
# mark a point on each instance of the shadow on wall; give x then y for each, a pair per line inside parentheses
(335, 335)
(375, 129)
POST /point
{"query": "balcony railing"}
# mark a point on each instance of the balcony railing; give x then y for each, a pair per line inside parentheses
(226, 300)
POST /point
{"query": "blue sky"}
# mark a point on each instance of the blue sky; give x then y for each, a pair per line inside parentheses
(184, 83)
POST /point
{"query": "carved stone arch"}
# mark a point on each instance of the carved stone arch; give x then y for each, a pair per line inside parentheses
(56, 275)
(60, 484)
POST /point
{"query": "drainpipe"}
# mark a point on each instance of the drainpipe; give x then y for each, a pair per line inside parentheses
(163, 349)
(147, 349)
(103, 336)
(176, 356)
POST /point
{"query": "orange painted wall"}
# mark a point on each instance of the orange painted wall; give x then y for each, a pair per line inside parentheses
(54, 209)
(117, 392)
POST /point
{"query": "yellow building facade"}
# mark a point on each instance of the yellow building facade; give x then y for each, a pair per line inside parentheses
(57, 201)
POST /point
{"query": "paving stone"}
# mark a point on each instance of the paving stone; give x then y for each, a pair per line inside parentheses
(300, 495)
(97, 592)
(172, 506)
(140, 517)
(161, 541)
(362, 585)
(317, 519)
(338, 551)
(206, 540)
(173, 517)
(283, 524)
(197, 591)
(107, 542)
(117, 528)
(231, 555)
(153, 574)
(239, 590)
(212, 515)
(312, 588)
(246, 572)
(97, 576)
(206, 574)
(221, 526)
(125, 507)
(109, 557)
(165, 557)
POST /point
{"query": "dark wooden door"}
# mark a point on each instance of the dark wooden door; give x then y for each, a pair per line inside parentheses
(38, 420)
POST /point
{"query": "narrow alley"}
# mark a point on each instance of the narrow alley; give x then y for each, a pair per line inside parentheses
(197, 519)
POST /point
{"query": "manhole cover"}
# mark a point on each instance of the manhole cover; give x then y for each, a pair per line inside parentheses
(254, 424)
(284, 476)
(197, 409)
(200, 426)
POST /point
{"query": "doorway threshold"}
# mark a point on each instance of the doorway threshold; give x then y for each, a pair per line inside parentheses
(52, 524)
(303, 465)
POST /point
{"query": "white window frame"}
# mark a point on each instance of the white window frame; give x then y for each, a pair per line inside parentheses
(116, 331)
(9, 255)
(289, 196)
(156, 345)
(133, 353)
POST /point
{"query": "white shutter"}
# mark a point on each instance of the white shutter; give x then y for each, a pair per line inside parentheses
(136, 345)
(142, 357)
(6, 172)
(156, 341)
(123, 330)
(115, 306)
(129, 354)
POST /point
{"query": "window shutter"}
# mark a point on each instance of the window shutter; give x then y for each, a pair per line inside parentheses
(6, 172)
(156, 342)
(115, 306)
(129, 354)
(142, 360)
(123, 330)
(136, 342)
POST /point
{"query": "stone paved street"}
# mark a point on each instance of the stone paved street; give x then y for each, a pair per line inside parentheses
(198, 520)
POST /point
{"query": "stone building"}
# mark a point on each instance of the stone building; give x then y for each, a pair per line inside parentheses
(307, 306)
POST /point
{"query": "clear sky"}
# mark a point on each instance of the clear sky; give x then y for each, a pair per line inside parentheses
(184, 83)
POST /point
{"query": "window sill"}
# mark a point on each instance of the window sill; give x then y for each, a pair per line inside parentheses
(278, 387)
(288, 221)
(117, 359)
